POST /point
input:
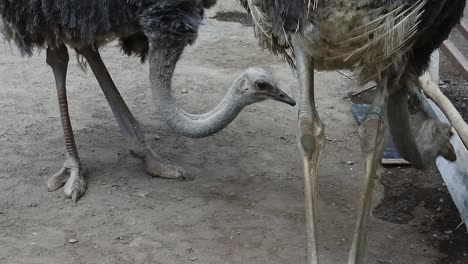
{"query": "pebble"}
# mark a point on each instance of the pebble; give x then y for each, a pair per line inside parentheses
(184, 91)
(33, 204)
(72, 241)
(350, 162)
(193, 259)
(448, 232)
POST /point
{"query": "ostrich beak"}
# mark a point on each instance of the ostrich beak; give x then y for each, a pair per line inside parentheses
(281, 96)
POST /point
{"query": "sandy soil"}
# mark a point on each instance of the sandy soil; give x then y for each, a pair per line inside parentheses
(246, 202)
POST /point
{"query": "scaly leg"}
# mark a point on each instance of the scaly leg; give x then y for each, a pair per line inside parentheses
(311, 137)
(71, 173)
(372, 134)
(129, 126)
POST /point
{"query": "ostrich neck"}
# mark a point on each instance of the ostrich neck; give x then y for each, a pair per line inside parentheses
(162, 65)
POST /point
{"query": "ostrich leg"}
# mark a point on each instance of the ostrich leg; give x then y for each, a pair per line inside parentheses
(71, 173)
(311, 137)
(372, 134)
(129, 126)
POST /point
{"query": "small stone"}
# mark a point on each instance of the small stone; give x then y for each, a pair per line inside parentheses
(33, 204)
(184, 91)
(193, 259)
(72, 241)
(350, 162)
(448, 232)
(141, 194)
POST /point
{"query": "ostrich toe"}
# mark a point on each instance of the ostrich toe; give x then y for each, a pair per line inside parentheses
(157, 167)
(71, 175)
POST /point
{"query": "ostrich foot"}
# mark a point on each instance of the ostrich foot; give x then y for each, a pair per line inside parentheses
(157, 167)
(434, 140)
(71, 175)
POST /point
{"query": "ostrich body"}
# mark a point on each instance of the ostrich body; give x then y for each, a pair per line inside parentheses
(386, 41)
(157, 30)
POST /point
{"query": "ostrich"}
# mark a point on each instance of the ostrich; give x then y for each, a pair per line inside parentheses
(386, 41)
(157, 30)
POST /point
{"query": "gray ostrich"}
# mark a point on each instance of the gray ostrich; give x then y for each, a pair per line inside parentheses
(155, 29)
(386, 41)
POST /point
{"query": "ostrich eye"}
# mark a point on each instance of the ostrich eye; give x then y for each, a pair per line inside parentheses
(263, 85)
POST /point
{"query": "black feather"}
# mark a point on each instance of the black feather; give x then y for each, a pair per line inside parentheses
(50, 23)
(437, 21)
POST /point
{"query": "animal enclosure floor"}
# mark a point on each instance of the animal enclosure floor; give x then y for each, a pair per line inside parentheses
(245, 204)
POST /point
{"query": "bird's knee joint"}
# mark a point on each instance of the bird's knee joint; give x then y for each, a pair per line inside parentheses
(311, 135)
(57, 56)
(372, 134)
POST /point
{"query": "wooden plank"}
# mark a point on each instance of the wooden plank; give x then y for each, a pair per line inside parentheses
(456, 120)
(456, 57)
(463, 28)
(454, 174)
(435, 66)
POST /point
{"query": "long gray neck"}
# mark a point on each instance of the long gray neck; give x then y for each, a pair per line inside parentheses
(162, 64)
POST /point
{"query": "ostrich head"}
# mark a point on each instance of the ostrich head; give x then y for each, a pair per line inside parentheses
(257, 84)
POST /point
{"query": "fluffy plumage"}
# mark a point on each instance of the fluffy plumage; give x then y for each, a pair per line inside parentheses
(367, 36)
(48, 23)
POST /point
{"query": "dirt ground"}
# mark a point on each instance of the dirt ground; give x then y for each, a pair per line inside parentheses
(245, 204)
(452, 83)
